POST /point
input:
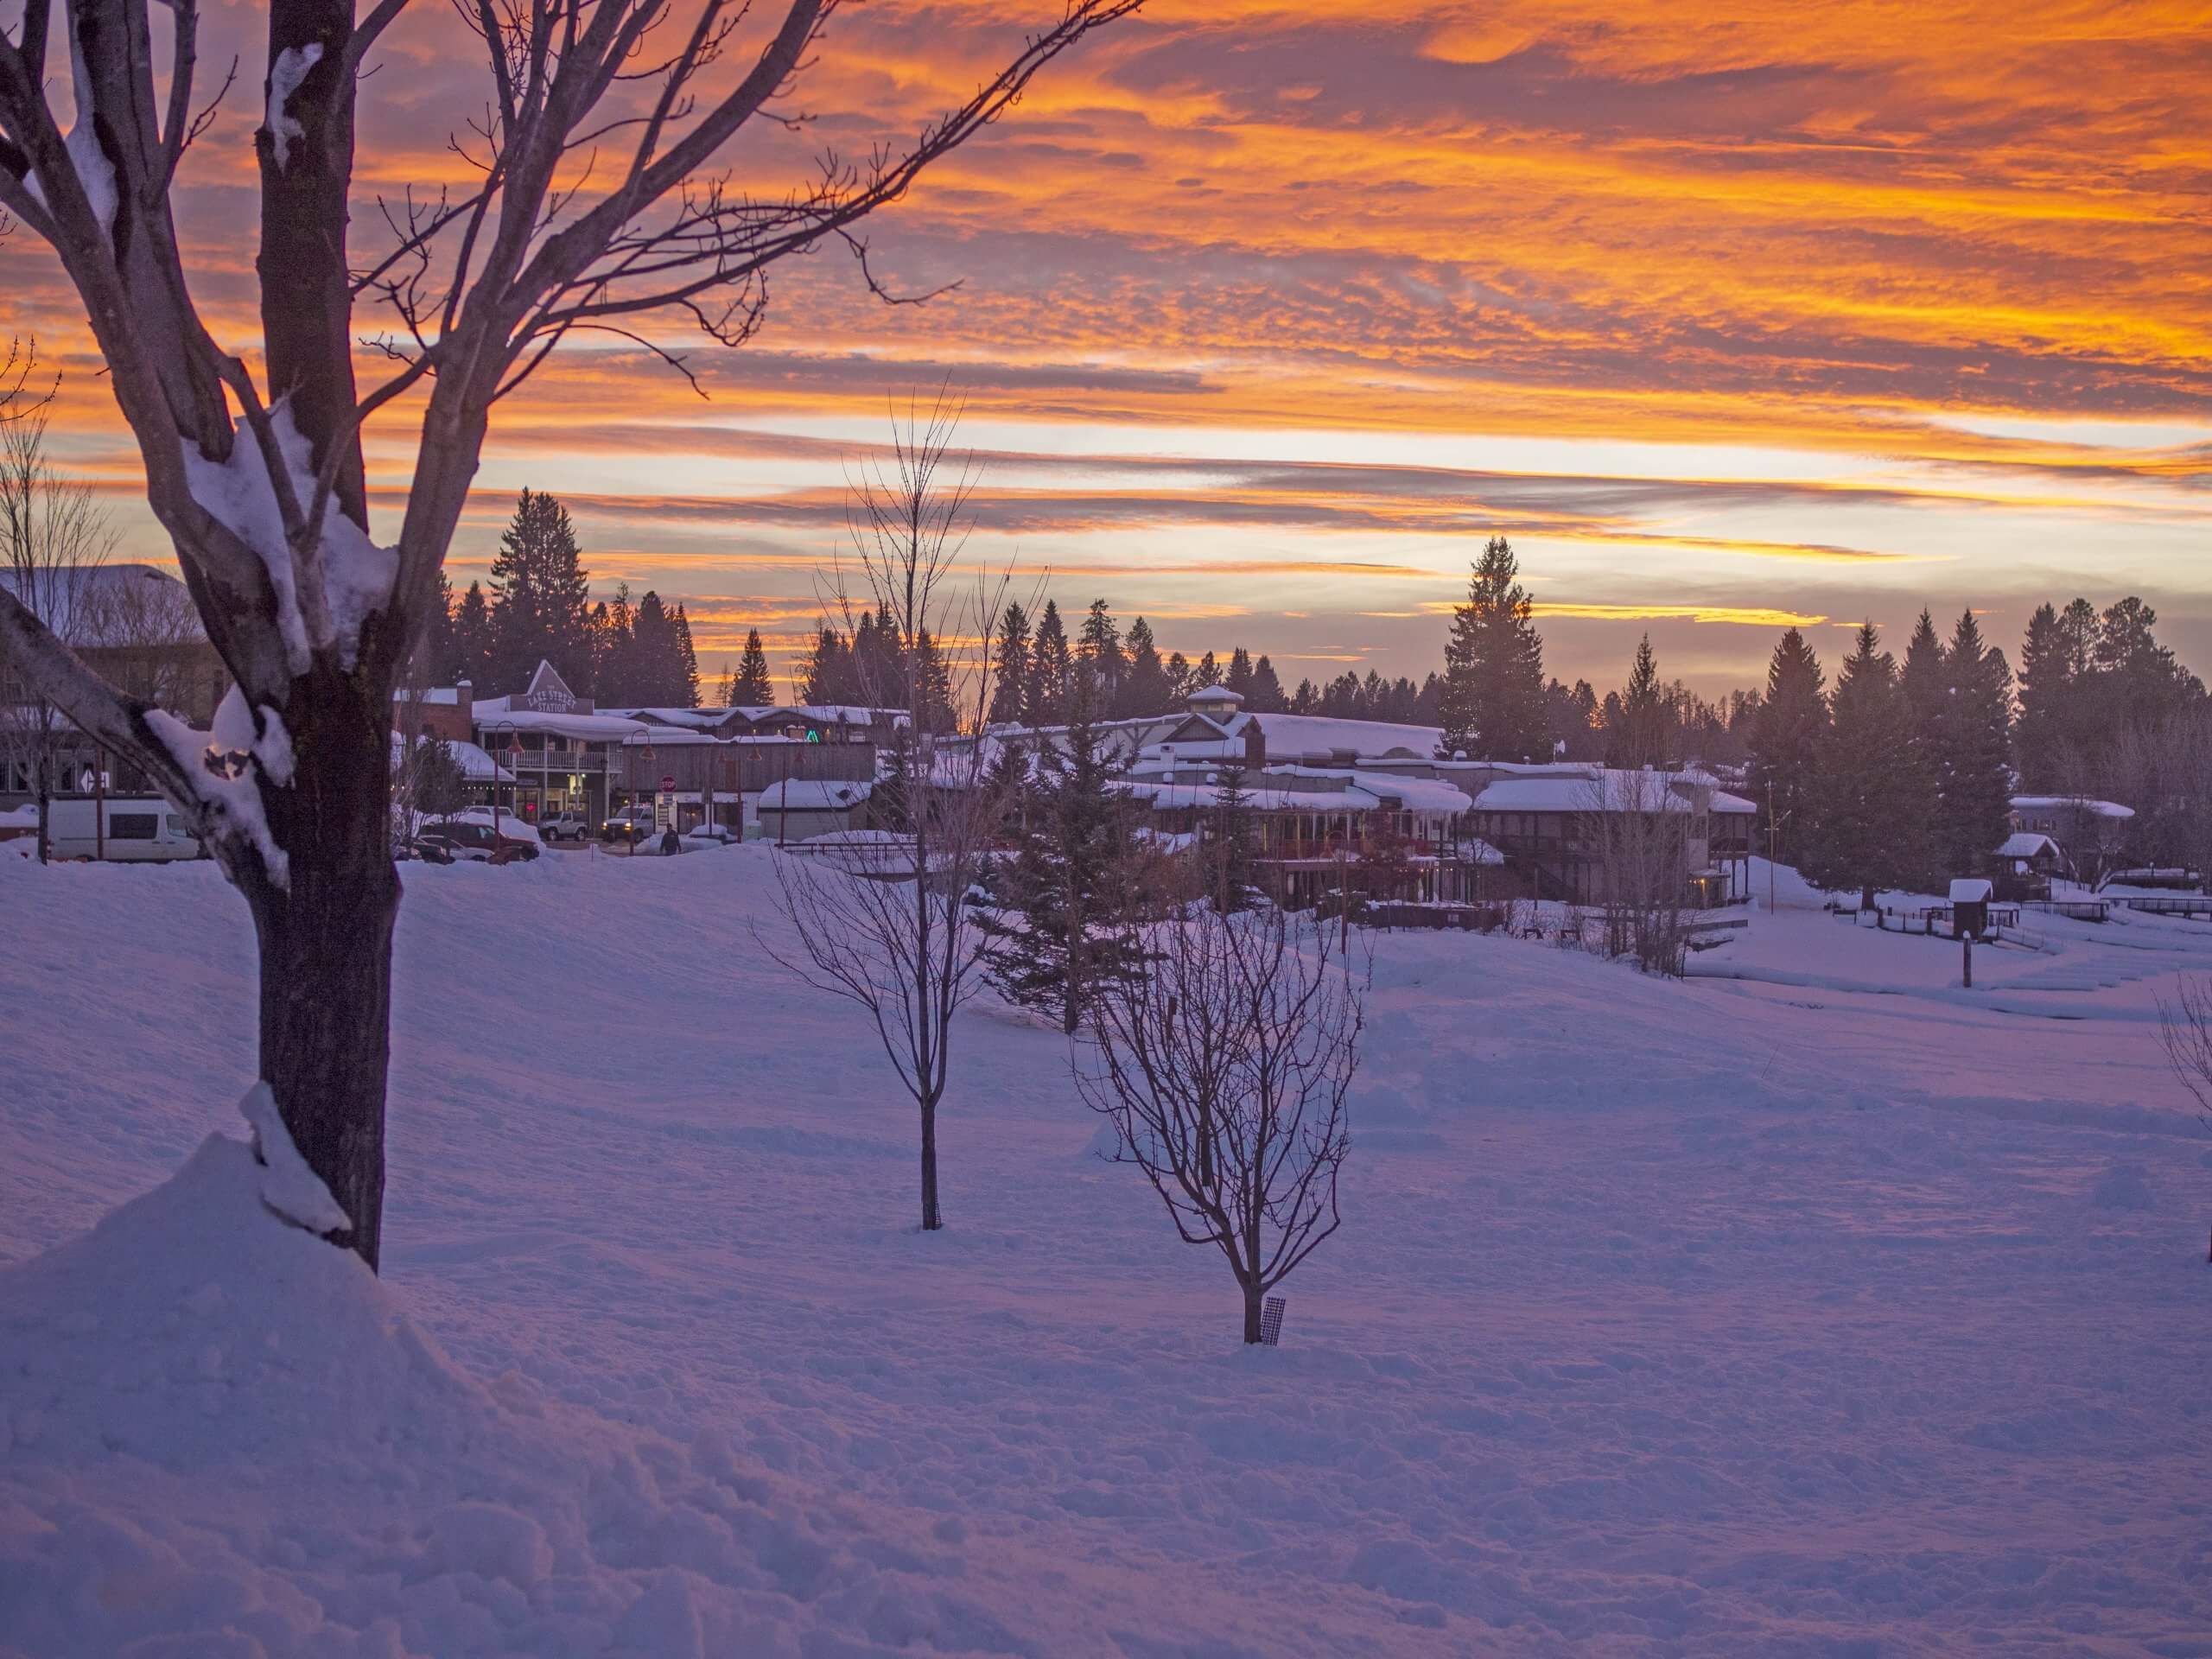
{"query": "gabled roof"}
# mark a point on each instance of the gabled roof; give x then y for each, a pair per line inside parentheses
(546, 686)
(2028, 844)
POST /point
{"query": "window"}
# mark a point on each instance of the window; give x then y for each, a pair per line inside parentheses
(176, 826)
(133, 826)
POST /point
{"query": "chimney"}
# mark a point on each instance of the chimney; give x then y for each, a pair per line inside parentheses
(1255, 745)
(464, 699)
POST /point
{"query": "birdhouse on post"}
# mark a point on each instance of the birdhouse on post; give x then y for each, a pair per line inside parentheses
(1969, 907)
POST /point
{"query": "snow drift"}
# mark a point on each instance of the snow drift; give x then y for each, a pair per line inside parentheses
(225, 1439)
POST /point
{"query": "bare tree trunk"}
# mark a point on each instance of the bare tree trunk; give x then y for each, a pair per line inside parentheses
(42, 783)
(1252, 1301)
(326, 951)
(932, 1217)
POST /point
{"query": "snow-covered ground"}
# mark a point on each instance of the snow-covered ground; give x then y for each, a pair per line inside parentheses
(1824, 1308)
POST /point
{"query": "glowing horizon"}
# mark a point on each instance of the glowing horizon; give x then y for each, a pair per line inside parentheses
(1270, 318)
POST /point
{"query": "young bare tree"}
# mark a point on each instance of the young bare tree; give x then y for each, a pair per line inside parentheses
(595, 206)
(53, 541)
(1642, 830)
(1224, 1070)
(2186, 1025)
(149, 635)
(883, 918)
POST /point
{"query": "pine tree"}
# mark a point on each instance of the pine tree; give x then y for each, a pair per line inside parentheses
(1099, 649)
(2045, 690)
(750, 686)
(1146, 690)
(615, 653)
(1230, 838)
(1239, 677)
(1976, 750)
(889, 801)
(1010, 667)
(1266, 696)
(1206, 674)
(540, 596)
(687, 662)
(1059, 940)
(826, 673)
(2141, 685)
(1639, 739)
(1870, 805)
(657, 661)
(1785, 746)
(1049, 668)
(1306, 699)
(1179, 677)
(932, 686)
(879, 664)
(471, 657)
(433, 661)
(1493, 696)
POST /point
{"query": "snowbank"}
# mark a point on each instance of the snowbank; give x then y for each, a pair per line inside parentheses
(1725, 1318)
(223, 1437)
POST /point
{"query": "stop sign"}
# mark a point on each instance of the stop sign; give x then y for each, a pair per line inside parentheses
(667, 783)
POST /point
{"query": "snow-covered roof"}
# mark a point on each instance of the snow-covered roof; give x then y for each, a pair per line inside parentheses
(696, 719)
(2077, 802)
(1599, 789)
(1219, 695)
(814, 794)
(109, 606)
(1734, 804)
(475, 765)
(1289, 734)
(1476, 850)
(2027, 844)
(596, 727)
(1413, 794)
(1970, 890)
(831, 713)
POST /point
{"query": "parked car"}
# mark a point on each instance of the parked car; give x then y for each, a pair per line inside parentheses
(122, 829)
(709, 835)
(478, 842)
(631, 824)
(567, 826)
(427, 848)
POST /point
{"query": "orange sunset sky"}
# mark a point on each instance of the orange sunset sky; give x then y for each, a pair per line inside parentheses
(1729, 315)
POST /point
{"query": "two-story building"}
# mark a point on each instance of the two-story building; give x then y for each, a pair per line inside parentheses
(562, 752)
(137, 627)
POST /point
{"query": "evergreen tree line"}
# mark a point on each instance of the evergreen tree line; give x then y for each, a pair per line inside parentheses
(870, 667)
(1494, 704)
(538, 607)
(1041, 675)
(1903, 775)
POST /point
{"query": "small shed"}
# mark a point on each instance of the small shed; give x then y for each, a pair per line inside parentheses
(799, 808)
(2026, 863)
(1969, 907)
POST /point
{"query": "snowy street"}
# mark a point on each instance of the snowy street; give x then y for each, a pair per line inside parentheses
(1810, 1306)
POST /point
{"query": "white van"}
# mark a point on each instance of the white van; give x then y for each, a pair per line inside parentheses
(137, 829)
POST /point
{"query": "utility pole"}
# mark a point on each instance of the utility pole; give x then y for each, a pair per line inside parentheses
(1773, 843)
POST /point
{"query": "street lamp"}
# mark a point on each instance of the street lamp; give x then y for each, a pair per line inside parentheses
(513, 752)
